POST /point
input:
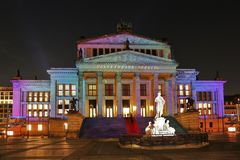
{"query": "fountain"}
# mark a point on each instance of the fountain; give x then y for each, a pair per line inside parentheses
(159, 135)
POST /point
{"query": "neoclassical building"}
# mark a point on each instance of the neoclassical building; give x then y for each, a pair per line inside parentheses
(118, 75)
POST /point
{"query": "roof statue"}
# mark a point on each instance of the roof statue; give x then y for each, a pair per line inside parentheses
(124, 27)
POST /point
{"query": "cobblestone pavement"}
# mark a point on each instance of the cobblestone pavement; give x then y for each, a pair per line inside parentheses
(221, 147)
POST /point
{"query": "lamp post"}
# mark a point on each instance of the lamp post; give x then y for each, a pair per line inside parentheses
(238, 101)
(7, 122)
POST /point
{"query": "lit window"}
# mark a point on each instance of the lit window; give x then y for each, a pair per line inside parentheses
(92, 90)
(205, 105)
(181, 110)
(66, 106)
(67, 88)
(46, 96)
(60, 107)
(40, 114)
(181, 101)
(40, 96)
(45, 113)
(29, 127)
(73, 90)
(10, 133)
(40, 106)
(45, 107)
(35, 106)
(29, 106)
(35, 114)
(35, 98)
(40, 127)
(60, 89)
(200, 105)
(30, 113)
(30, 96)
(65, 126)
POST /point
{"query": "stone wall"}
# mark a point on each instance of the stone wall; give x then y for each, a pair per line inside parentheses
(189, 120)
(74, 121)
(56, 127)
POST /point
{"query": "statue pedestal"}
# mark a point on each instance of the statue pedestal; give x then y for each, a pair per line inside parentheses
(74, 121)
(160, 128)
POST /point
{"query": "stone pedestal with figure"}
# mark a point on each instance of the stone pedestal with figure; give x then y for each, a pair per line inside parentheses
(74, 124)
(161, 125)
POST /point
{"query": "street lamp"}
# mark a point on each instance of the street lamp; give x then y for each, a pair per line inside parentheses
(238, 102)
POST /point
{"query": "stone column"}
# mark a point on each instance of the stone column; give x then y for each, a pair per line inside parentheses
(174, 96)
(81, 93)
(194, 95)
(53, 98)
(155, 90)
(119, 94)
(167, 99)
(100, 92)
(138, 96)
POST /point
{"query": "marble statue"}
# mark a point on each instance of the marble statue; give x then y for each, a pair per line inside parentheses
(149, 129)
(161, 126)
(160, 103)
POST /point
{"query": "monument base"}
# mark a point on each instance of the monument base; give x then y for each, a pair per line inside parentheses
(74, 121)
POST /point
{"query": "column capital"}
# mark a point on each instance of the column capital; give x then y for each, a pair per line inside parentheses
(99, 74)
(118, 75)
(80, 74)
(137, 74)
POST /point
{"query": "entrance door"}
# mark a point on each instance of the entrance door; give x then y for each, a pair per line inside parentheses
(126, 108)
(143, 107)
(109, 108)
(92, 108)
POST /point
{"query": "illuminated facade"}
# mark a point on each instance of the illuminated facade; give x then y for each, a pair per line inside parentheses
(6, 101)
(117, 75)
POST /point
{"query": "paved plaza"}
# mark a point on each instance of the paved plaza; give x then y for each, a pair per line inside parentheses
(222, 147)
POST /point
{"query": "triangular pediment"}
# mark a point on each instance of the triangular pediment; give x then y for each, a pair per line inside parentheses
(130, 57)
(121, 38)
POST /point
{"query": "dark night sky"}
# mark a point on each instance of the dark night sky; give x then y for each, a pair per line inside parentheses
(37, 35)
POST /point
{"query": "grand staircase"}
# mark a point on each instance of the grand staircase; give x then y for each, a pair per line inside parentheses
(114, 127)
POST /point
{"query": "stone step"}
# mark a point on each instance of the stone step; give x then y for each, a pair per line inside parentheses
(114, 127)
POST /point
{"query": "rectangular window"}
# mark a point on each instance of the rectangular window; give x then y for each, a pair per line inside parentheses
(126, 108)
(92, 90)
(40, 96)
(210, 124)
(154, 52)
(73, 90)
(35, 96)
(148, 51)
(66, 106)
(201, 124)
(60, 89)
(161, 53)
(112, 50)
(100, 51)
(66, 90)
(108, 89)
(60, 107)
(40, 106)
(29, 127)
(142, 50)
(30, 96)
(126, 89)
(95, 52)
(46, 97)
(143, 90)
(209, 96)
(40, 127)
(106, 50)
(143, 107)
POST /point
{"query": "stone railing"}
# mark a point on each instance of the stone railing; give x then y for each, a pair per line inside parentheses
(180, 139)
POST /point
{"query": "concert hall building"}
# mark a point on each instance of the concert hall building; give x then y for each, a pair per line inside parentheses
(118, 75)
